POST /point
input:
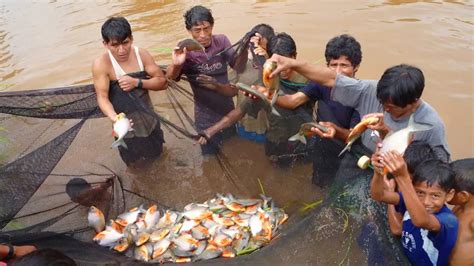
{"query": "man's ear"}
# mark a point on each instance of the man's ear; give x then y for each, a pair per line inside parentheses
(104, 43)
(355, 69)
(450, 194)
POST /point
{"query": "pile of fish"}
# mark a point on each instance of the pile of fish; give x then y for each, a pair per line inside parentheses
(220, 227)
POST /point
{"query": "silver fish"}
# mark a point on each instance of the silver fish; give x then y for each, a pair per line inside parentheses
(121, 127)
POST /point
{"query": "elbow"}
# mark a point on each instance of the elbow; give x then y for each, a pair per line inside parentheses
(420, 222)
(396, 231)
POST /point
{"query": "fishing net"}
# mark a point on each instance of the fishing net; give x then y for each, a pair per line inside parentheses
(56, 161)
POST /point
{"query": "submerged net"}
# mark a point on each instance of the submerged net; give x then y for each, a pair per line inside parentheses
(56, 162)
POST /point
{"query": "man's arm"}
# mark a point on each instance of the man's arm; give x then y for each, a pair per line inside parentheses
(228, 120)
(291, 101)
(101, 85)
(178, 57)
(158, 80)
(395, 164)
(317, 73)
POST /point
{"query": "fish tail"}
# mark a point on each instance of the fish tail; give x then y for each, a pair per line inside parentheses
(298, 137)
(414, 126)
(118, 143)
(347, 148)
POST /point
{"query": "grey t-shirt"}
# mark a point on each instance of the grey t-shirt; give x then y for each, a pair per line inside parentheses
(362, 96)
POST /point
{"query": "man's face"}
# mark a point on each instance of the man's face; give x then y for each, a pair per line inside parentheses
(432, 197)
(120, 50)
(202, 33)
(343, 66)
(396, 111)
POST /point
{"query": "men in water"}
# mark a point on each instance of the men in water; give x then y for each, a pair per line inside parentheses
(120, 76)
(393, 99)
(343, 55)
(207, 73)
(280, 127)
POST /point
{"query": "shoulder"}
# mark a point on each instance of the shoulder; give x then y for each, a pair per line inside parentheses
(220, 40)
(447, 218)
(344, 81)
(428, 115)
(101, 64)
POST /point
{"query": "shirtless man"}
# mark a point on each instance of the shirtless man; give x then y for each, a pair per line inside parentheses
(115, 88)
(464, 200)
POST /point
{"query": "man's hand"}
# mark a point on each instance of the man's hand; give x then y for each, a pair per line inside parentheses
(283, 63)
(208, 82)
(258, 88)
(178, 56)
(127, 83)
(380, 126)
(395, 164)
(377, 158)
(21, 251)
(257, 44)
(204, 137)
(328, 135)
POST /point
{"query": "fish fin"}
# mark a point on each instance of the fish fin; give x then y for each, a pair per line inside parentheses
(414, 126)
(275, 112)
(119, 142)
(347, 148)
(298, 137)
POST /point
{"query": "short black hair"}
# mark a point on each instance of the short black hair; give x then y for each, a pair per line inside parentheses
(265, 30)
(44, 257)
(401, 85)
(116, 28)
(464, 175)
(417, 152)
(196, 15)
(435, 172)
(283, 45)
(344, 45)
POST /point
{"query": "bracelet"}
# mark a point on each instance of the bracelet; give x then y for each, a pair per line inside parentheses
(11, 252)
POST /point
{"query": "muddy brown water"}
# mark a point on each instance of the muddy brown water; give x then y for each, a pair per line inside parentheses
(52, 44)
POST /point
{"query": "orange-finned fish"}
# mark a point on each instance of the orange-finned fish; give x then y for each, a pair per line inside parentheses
(357, 131)
(96, 219)
(305, 131)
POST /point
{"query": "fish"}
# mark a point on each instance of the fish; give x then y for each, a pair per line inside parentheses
(191, 45)
(159, 234)
(210, 252)
(185, 242)
(197, 213)
(108, 238)
(152, 216)
(129, 217)
(400, 139)
(271, 84)
(305, 131)
(357, 131)
(159, 248)
(121, 127)
(96, 219)
(255, 224)
(144, 252)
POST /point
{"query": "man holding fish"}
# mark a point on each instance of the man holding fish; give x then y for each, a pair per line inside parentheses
(206, 70)
(392, 100)
(122, 75)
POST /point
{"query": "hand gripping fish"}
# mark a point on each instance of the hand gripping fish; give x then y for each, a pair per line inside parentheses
(190, 45)
(121, 127)
(305, 131)
(357, 131)
(272, 84)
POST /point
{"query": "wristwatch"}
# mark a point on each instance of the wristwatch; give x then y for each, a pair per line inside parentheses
(140, 84)
(11, 252)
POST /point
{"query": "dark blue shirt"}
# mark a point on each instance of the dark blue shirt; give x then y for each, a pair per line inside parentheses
(423, 247)
(329, 110)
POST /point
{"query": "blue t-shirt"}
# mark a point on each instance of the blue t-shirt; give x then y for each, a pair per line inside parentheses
(423, 247)
(329, 110)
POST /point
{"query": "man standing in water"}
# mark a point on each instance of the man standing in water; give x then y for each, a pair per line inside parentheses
(122, 76)
(393, 99)
(207, 73)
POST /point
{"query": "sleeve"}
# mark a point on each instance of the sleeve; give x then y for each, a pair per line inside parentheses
(358, 94)
(449, 228)
(400, 207)
(312, 90)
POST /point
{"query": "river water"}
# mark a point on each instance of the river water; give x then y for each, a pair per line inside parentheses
(46, 44)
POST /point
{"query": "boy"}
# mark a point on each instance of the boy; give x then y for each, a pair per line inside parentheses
(429, 227)
(464, 210)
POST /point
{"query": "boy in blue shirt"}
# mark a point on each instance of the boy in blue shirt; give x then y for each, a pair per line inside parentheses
(429, 227)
